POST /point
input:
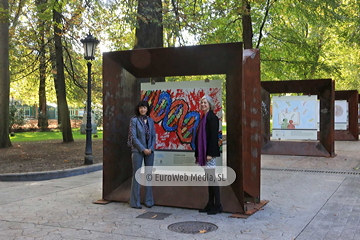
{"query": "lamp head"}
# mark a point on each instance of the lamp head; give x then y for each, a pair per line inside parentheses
(89, 44)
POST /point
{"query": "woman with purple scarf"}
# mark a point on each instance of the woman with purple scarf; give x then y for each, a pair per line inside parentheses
(141, 139)
(206, 151)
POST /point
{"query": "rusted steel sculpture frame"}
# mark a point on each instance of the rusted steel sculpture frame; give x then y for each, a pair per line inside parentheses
(121, 91)
(325, 89)
(352, 133)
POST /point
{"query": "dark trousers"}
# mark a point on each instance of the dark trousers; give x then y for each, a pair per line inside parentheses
(214, 191)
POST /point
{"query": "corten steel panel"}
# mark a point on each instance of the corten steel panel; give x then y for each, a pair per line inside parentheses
(178, 61)
(352, 133)
(293, 148)
(251, 120)
(234, 128)
(121, 93)
(181, 196)
(325, 89)
(327, 122)
(118, 101)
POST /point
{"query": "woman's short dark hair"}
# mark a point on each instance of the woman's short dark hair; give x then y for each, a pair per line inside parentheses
(142, 104)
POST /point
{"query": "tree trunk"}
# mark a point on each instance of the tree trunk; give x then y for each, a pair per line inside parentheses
(149, 33)
(42, 117)
(4, 76)
(247, 25)
(60, 82)
(53, 67)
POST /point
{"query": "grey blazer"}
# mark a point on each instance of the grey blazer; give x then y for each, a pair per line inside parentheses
(137, 135)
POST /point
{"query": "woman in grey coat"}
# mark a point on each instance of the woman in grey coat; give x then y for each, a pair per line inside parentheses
(142, 142)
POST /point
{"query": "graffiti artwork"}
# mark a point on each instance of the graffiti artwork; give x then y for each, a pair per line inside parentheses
(175, 110)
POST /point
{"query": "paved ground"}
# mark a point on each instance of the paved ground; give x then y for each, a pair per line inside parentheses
(310, 198)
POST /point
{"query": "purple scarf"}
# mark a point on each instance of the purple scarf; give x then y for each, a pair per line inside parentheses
(201, 142)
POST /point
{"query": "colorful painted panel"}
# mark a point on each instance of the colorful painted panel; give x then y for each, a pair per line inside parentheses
(295, 117)
(176, 110)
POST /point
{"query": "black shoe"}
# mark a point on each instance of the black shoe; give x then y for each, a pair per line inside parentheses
(207, 208)
(149, 206)
(137, 207)
(216, 209)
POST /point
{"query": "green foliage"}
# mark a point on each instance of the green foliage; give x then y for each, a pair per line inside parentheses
(297, 39)
(26, 44)
(98, 115)
(4, 15)
(16, 116)
(302, 41)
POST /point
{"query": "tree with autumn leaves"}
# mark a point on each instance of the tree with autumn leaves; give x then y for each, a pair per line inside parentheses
(297, 39)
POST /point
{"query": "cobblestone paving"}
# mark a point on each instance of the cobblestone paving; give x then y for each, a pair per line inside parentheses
(302, 206)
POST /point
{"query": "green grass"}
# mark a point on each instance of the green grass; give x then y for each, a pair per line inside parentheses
(56, 135)
(53, 135)
(224, 128)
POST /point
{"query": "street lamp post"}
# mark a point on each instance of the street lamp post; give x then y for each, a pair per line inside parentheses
(89, 44)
